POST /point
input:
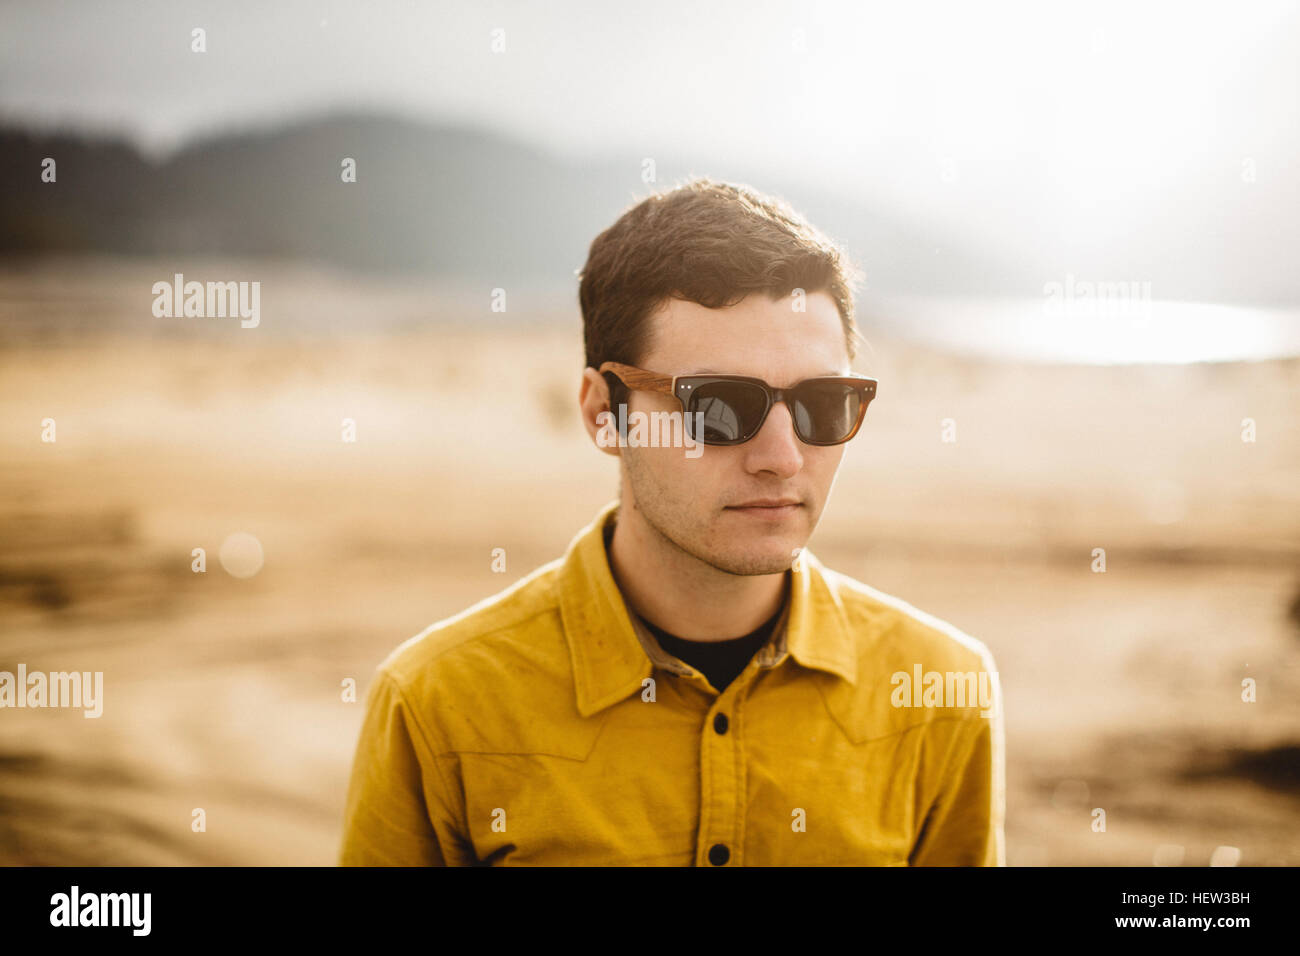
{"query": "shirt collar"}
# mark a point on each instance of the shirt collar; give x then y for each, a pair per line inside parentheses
(613, 652)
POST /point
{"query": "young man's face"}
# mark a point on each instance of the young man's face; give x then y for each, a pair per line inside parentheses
(692, 501)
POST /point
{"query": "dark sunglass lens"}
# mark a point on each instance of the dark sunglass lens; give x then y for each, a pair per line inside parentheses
(825, 412)
(732, 411)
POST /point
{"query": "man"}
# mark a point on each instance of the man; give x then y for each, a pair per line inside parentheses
(688, 685)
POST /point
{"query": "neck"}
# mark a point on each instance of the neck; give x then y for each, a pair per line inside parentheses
(683, 595)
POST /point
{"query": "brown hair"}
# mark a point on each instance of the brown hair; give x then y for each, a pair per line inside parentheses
(708, 242)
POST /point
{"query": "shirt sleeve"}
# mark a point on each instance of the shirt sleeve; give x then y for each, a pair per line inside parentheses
(397, 811)
(965, 824)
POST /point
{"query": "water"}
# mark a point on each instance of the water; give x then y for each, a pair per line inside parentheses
(1116, 332)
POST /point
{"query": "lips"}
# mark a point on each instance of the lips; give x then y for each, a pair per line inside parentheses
(766, 503)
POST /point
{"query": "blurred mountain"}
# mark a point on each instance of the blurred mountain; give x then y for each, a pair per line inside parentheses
(437, 200)
(464, 204)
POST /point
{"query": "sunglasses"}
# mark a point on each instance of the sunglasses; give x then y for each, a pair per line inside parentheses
(825, 411)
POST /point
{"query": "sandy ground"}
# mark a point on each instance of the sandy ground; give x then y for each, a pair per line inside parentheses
(1123, 689)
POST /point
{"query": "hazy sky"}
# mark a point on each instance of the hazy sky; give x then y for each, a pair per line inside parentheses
(970, 116)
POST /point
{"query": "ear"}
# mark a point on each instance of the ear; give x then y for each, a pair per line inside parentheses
(598, 416)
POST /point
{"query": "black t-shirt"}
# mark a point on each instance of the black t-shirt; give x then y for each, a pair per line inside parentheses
(720, 661)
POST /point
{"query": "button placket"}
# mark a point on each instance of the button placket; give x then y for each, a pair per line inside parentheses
(722, 765)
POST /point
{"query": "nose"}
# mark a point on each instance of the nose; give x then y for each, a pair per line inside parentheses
(776, 448)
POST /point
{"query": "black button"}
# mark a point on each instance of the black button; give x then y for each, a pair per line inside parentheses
(719, 854)
(720, 723)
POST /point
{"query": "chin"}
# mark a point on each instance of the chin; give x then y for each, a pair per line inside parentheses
(764, 560)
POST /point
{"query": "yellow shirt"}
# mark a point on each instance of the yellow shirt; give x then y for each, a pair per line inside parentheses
(542, 726)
